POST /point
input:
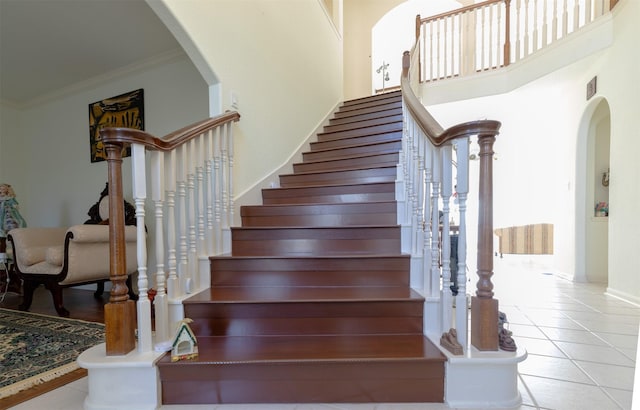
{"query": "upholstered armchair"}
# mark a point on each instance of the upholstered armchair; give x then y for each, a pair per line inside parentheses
(64, 257)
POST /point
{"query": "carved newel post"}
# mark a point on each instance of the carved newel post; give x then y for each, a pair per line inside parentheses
(120, 312)
(484, 308)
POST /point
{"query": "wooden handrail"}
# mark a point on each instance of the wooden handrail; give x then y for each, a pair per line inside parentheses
(460, 10)
(431, 128)
(170, 141)
(120, 312)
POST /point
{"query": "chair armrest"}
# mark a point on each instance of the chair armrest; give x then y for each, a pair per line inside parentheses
(87, 253)
(30, 244)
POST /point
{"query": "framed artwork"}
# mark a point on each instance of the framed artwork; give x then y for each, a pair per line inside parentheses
(126, 110)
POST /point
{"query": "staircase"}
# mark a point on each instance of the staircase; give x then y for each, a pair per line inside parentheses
(314, 303)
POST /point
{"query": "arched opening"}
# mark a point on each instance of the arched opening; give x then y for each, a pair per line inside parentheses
(592, 194)
(393, 34)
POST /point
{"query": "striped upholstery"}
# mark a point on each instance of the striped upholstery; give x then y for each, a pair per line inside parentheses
(536, 239)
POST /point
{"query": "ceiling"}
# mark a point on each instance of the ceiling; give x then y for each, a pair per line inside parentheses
(47, 46)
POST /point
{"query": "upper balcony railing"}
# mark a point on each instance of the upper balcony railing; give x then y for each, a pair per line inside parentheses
(496, 33)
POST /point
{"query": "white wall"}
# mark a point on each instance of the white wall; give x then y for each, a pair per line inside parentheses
(281, 59)
(542, 134)
(47, 146)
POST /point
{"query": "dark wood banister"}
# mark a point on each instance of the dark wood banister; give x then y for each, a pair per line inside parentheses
(484, 309)
(431, 128)
(169, 141)
(120, 312)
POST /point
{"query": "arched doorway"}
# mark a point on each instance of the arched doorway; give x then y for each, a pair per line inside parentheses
(394, 33)
(592, 194)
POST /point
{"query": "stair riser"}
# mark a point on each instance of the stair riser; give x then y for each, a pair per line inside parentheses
(372, 160)
(376, 213)
(382, 118)
(326, 142)
(348, 114)
(369, 175)
(310, 272)
(360, 132)
(314, 241)
(324, 220)
(335, 151)
(370, 101)
(304, 326)
(347, 382)
(336, 194)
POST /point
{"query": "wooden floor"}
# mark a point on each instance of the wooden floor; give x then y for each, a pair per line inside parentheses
(80, 302)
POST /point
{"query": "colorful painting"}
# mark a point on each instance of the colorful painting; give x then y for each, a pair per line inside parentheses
(126, 110)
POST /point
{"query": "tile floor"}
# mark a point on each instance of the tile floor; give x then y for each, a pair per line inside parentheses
(581, 344)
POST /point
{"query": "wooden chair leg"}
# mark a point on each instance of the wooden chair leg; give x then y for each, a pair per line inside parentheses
(56, 293)
(28, 287)
(132, 294)
(99, 289)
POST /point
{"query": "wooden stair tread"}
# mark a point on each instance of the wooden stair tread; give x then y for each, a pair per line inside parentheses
(302, 209)
(338, 170)
(346, 157)
(313, 348)
(289, 294)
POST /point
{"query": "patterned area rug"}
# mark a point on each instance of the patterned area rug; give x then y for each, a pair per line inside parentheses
(36, 349)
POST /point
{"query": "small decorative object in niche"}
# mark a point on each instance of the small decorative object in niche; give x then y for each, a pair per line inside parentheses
(602, 209)
(126, 110)
(605, 178)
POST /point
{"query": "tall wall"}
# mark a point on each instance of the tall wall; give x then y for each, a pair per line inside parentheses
(280, 60)
(45, 148)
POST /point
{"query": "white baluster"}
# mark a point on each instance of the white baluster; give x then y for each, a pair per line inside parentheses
(565, 19)
(200, 201)
(462, 189)
(433, 56)
(518, 28)
(536, 45)
(446, 297)
(174, 288)
(431, 281)
(545, 26)
(588, 17)
(139, 196)
(160, 302)
(445, 64)
(576, 14)
(230, 153)
(491, 43)
(209, 184)
(526, 28)
(183, 265)
(226, 233)
(435, 226)
(554, 22)
(191, 215)
(217, 190)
